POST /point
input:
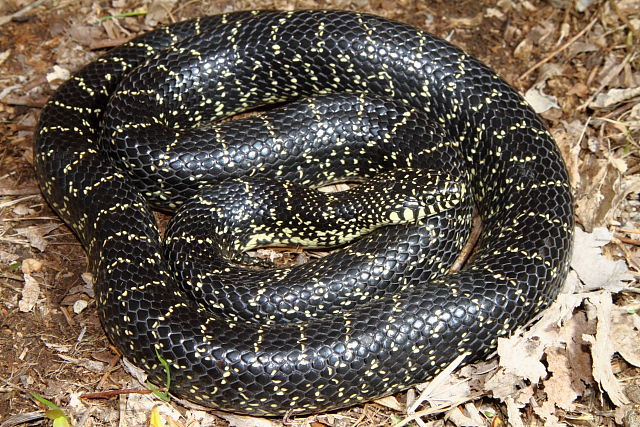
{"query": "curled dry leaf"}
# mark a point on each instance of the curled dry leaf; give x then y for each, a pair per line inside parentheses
(535, 96)
(31, 265)
(58, 75)
(539, 100)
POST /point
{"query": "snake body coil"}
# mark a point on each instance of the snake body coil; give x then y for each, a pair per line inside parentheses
(320, 337)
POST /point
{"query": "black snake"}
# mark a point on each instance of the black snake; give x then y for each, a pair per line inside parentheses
(363, 322)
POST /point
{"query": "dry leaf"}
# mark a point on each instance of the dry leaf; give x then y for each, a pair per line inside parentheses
(452, 390)
(31, 265)
(594, 270)
(625, 334)
(246, 421)
(30, 293)
(602, 349)
(58, 75)
(36, 234)
(535, 96)
(444, 389)
(79, 306)
(539, 100)
(602, 192)
(614, 97)
(546, 411)
(8, 257)
(471, 419)
(521, 357)
(158, 11)
(504, 384)
(579, 359)
(390, 402)
(4, 55)
(90, 365)
(568, 138)
(513, 413)
(559, 387)
(583, 5)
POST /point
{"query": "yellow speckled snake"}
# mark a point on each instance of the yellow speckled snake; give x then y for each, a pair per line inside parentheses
(368, 97)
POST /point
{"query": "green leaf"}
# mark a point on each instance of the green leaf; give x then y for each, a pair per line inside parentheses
(54, 412)
(164, 396)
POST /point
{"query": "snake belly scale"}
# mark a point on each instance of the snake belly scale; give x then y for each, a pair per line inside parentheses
(121, 136)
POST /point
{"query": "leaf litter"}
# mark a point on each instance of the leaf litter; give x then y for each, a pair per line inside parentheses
(578, 364)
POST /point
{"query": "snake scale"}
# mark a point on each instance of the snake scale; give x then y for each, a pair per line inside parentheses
(138, 128)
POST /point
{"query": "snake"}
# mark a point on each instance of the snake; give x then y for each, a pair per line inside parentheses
(431, 136)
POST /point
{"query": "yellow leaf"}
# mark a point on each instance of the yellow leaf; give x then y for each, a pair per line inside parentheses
(155, 420)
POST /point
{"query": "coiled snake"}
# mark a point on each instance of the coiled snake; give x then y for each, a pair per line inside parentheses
(125, 133)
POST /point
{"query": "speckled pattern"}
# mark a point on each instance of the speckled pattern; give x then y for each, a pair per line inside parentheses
(137, 128)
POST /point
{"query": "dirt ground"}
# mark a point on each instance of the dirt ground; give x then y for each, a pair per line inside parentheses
(579, 61)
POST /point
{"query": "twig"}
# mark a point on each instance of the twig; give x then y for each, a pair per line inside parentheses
(30, 218)
(432, 411)
(606, 81)
(24, 10)
(560, 49)
(23, 102)
(107, 43)
(627, 230)
(13, 202)
(113, 393)
(627, 240)
(19, 191)
(437, 381)
(463, 257)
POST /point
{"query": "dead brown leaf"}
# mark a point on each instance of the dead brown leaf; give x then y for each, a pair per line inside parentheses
(36, 234)
(602, 349)
(625, 334)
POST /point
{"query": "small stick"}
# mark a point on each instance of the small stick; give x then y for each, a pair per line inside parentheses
(476, 230)
(112, 393)
(560, 49)
(24, 10)
(628, 241)
(27, 191)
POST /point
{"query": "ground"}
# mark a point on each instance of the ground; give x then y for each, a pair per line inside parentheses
(578, 62)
